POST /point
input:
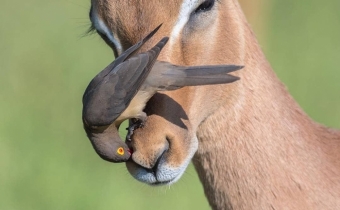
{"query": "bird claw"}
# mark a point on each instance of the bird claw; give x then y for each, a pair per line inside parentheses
(136, 123)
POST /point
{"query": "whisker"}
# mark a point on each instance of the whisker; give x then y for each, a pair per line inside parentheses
(90, 31)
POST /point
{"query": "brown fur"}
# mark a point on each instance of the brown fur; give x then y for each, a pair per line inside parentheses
(257, 148)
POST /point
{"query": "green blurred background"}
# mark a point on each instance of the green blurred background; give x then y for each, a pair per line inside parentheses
(46, 162)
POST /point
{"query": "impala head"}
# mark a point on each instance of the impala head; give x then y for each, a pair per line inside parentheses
(201, 32)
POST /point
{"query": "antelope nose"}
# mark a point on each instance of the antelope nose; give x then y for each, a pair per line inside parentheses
(150, 158)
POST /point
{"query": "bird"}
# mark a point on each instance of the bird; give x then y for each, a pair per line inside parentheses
(123, 88)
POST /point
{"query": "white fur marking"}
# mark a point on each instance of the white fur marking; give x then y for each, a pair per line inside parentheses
(100, 26)
(183, 17)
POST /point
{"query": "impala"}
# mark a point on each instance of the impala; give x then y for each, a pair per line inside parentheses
(251, 144)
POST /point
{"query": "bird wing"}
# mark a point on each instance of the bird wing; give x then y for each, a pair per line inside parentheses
(129, 52)
(104, 104)
(125, 55)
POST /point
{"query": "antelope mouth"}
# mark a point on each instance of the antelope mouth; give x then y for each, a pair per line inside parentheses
(163, 183)
(163, 175)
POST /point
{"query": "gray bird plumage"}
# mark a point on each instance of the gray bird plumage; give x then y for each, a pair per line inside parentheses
(122, 89)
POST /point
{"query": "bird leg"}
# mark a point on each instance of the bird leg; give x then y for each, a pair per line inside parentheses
(134, 124)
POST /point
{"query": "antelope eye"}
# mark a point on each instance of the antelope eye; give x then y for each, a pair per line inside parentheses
(205, 6)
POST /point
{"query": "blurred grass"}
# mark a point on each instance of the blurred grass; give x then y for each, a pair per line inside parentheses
(45, 159)
(303, 46)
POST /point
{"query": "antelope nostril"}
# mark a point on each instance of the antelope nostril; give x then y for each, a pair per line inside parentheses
(155, 167)
(159, 158)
